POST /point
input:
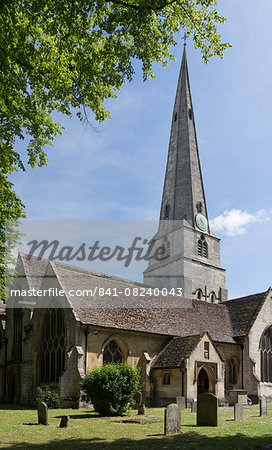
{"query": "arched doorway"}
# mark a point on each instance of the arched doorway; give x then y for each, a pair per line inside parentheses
(202, 382)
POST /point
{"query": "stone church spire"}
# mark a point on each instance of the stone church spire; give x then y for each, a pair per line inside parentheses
(183, 193)
(191, 251)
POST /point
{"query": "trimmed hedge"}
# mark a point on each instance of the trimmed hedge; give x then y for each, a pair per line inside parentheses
(111, 388)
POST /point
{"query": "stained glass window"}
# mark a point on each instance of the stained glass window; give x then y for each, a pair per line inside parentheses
(112, 353)
(53, 346)
(266, 358)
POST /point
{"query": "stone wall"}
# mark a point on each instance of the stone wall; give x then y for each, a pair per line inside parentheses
(213, 365)
(183, 267)
(252, 370)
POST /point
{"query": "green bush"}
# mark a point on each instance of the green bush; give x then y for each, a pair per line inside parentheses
(48, 396)
(111, 388)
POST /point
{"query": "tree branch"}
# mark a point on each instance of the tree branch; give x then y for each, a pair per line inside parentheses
(138, 7)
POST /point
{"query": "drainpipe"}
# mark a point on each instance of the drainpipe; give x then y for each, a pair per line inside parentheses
(86, 332)
(242, 364)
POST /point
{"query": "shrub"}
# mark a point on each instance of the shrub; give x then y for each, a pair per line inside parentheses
(48, 396)
(111, 388)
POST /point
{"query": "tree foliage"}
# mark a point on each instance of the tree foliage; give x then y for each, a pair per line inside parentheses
(69, 56)
(49, 396)
(111, 388)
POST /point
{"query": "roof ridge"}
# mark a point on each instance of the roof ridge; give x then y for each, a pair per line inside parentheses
(244, 297)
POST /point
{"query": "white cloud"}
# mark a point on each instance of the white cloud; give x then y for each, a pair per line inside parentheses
(235, 221)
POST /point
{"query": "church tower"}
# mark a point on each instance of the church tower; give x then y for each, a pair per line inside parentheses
(189, 255)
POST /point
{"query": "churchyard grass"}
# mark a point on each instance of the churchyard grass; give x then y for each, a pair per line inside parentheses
(19, 430)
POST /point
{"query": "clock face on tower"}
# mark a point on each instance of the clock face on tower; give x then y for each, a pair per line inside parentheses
(201, 222)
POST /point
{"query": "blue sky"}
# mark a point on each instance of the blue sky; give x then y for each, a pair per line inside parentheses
(117, 171)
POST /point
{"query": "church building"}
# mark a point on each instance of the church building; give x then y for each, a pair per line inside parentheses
(214, 344)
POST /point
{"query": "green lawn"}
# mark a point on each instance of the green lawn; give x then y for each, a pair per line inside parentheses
(19, 430)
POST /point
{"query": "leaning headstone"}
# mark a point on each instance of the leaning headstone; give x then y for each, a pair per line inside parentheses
(138, 398)
(238, 412)
(172, 420)
(42, 413)
(263, 406)
(194, 405)
(207, 410)
(141, 410)
(180, 402)
(64, 421)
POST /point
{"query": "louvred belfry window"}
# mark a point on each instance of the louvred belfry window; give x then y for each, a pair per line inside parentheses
(53, 346)
(266, 356)
(112, 354)
(202, 247)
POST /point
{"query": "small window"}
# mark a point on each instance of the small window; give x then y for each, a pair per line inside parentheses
(199, 207)
(233, 369)
(166, 378)
(190, 114)
(199, 294)
(167, 211)
(175, 117)
(213, 297)
(206, 350)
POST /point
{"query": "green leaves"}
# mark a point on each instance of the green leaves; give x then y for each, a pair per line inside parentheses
(111, 388)
(61, 55)
(70, 55)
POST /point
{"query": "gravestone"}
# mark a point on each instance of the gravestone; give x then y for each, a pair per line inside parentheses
(238, 412)
(141, 409)
(64, 422)
(194, 405)
(207, 410)
(263, 406)
(138, 398)
(242, 399)
(180, 402)
(172, 420)
(42, 413)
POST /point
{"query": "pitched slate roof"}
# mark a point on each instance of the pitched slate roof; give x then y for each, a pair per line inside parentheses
(174, 353)
(198, 318)
(223, 321)
(243, 312)
(34, 269)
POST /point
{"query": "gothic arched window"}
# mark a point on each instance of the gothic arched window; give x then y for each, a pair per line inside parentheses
(213, 297)
(112, 353)
(233, 371)
(166, 379)
(199, 294)
(266, 356)
(202, 247)
(53, 346)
